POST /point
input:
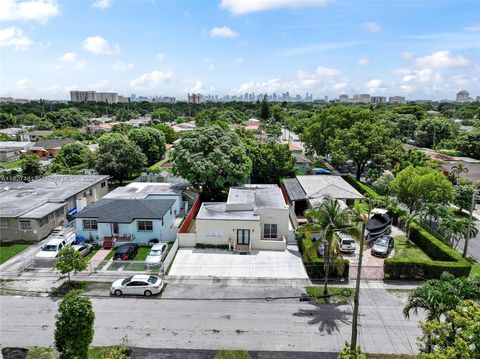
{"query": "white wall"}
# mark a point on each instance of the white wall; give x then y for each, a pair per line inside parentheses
(227, 229)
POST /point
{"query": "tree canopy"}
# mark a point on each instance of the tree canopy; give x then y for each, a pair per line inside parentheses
(151, 141)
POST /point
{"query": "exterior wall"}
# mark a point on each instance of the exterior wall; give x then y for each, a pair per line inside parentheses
(280, 217)
(10, 155)
(227, 230)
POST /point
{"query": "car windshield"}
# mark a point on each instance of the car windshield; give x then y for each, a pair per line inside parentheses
(155, 252)
(382, 242)
(126, 280)
(152, 279)
(348, 241)
(50, 248)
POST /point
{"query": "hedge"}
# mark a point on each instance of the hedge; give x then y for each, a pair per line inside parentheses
(444, 259)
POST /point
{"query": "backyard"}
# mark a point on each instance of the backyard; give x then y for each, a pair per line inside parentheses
(9, 250)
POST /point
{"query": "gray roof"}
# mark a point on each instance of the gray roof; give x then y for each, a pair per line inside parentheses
(21, 198)
(126, 210)
(142, 190)
(53, 143)
(217, 210)
(14, 145)
(317, 187)
(294, 189)
(257, 196)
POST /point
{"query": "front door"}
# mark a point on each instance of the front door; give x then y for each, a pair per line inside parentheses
(114, 229)
(243, 236)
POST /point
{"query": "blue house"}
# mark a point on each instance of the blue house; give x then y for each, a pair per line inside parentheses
(141, 213)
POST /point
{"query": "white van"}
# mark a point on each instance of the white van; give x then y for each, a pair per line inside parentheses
(59, 240)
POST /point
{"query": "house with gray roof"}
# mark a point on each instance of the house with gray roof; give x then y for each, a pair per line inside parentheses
(306, 192)
(253, 217)
(50, 147)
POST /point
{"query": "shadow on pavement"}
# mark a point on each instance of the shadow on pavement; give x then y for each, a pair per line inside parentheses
(327, 316)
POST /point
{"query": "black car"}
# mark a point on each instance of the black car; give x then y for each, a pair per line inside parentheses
(382, 246)
(125, 252)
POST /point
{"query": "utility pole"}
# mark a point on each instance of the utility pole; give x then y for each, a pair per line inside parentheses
(356, 300)
(467, 237)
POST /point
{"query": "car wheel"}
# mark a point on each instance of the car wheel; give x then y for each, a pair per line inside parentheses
(118, 292)
(147, 293)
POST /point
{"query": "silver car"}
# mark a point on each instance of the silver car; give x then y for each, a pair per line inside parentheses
(143, 284)
(157, 255)
(84, 249)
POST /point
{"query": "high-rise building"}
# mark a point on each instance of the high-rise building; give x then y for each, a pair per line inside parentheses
(93, 96)
(343, 98)
(463, 96)
(365, 97)
(477, 99)
(378, 99)
(396, 99)
(195, 98)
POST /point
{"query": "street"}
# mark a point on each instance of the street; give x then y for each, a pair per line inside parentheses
(473, 244)
(199, 323)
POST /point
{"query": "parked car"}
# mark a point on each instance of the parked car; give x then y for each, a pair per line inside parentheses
(157, 255)
(53, 246)
(382, 246)
(347, 243)
(125, 252)
(84, 248)
(146, 285)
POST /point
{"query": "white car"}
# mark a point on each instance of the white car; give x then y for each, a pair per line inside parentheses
(347, 243)
(84, 249)
(146, 285)
(157, 255)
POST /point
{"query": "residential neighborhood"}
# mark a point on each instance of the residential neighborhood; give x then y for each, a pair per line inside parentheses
(239, 180)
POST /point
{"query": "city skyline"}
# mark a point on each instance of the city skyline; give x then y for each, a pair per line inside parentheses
(227, 47)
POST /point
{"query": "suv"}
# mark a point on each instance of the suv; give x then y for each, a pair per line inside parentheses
(347, 243)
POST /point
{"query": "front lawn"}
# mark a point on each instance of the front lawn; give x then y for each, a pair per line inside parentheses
(232, 354)
(51, 353)
(11, 165)
(137, 263)
(339, 295)
(9, 250)
(92, 253)
(407, 249)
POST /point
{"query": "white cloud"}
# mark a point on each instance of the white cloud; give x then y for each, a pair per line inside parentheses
(100, 85)
(151, 80)
(224, 32)
(442, 59)
(240, 7)
(23, 84)
(473, 28)
(460, 79)
(310, 49)
(326, 71)
(364, 62)
(102, 4)
(239, 60)
(160, 56)
(98, 45)
(268, 86)
(122, 66)
(198, 87)
(71, 58)
(375, 85)
(35, 10)
(423, 76)
(407, 55)
(14, 36)
(372, 26)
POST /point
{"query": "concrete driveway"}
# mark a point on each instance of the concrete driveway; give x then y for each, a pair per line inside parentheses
(193, 263)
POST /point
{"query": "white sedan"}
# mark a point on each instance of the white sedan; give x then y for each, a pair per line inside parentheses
(146, 285)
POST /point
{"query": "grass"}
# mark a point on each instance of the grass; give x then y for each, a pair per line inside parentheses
(66, 287)
(390, 356)
(51, 353)
(406, 249)
(11, 165)
(232, 354)
(139, 259)
(339, 295)
(92, 253)
(8, 250)
(110, 255)
(158, 165)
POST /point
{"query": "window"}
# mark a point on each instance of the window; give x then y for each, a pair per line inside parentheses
(243, 236)
(4, 222)
(214, 233)
(43, 221)
(270, 231)
(90, 225)
(25, 225)
(103, 184)
(145, 226)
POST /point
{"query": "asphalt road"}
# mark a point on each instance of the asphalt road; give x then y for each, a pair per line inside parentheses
(473, 244)
(197, 323)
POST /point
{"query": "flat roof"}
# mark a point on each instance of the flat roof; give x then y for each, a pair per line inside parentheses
(257, 195)
(14, 145)
(141, 190)
(217, 210)
(294, 189)
(22, 198)
(40, 211)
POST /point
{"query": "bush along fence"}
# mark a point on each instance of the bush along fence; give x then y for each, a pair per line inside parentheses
(443, 257)
(315, 267)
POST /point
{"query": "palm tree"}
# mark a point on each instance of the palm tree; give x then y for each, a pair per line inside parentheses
(456, 171)
(330, 217)
(453, 229)
(409, 218)
(431, 212)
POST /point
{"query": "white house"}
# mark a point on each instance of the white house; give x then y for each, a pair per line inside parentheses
(254, 217)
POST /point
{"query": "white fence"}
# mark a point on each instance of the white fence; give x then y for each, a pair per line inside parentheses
(170, 256)
(187, 239)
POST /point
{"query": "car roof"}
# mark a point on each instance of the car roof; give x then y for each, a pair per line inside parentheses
(55, 241)
(141, 277)
(158, 246)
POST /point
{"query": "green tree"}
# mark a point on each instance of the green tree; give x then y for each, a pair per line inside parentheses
(457, 335)
(74, 326)
(168, 132)
(330, 217)
(272, 161)
(72, 154)
(382, 183)
(348, 353)
(163, 114)
(468, 143)
(432, 130)
(417, 186)
(364, 142)
(67, 117)
(211, 159)
(7, 120)
(464, 190)
(30, 165)
(70, 260)
(126, 115)
(124, 128)
(151, 141)
(272, 130)
(119, 157)
(265, 109)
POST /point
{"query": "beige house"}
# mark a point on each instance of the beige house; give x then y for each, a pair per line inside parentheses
(254, 217)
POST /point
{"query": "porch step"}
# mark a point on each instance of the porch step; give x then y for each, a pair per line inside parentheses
(108, 242)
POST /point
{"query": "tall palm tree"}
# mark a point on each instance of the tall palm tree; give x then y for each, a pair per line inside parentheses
(330, 217)
(431, 212)
(453, 229)
(456, 171)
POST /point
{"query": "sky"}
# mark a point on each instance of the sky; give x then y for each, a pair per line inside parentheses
(420, 49)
